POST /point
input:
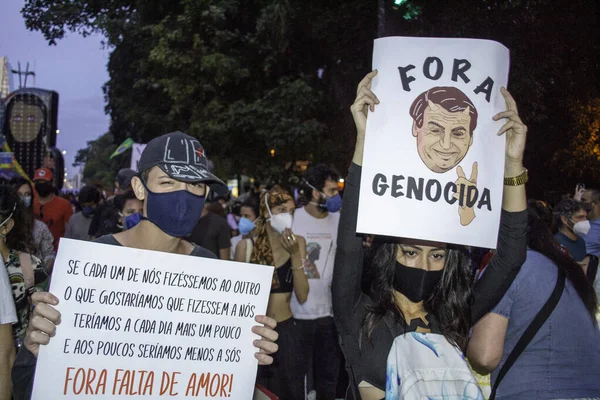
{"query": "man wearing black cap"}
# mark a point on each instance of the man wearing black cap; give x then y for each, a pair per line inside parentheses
(173, 184)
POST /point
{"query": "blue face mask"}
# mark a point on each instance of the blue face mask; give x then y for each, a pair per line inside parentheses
(132, 220)
(245, 226)
(88, 211)
(26, 200)
(175, 213)
(334, 204)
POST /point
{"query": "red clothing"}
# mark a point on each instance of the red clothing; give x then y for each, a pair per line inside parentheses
(55, 214)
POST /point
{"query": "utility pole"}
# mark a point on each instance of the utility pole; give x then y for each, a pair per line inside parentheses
(381, 18)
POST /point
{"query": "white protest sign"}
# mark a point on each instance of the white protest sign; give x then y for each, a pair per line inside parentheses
(433, 165)
(146, 324)
(136, 153)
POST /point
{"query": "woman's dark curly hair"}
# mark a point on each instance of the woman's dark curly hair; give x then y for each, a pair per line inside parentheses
(450, 302)
(20, 237)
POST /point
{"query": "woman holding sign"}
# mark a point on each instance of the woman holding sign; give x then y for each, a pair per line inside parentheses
(419, 286)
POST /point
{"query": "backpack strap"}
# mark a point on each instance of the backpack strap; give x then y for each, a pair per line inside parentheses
(592, 269)
(533, 328)
(27, 268)
(249, 248)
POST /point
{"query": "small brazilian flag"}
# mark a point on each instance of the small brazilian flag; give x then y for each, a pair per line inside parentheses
(123, 147)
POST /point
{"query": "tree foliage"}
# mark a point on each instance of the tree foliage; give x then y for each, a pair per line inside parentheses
(582, 155)
(98, 168)
(250, 76)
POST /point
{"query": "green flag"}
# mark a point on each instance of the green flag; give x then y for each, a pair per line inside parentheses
(123, 147)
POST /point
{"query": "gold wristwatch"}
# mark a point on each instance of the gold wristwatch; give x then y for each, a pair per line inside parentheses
(517, 180)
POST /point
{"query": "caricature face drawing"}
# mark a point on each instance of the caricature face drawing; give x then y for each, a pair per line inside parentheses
(443, 123)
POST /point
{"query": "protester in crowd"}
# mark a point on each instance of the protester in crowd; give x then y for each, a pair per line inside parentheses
(249, 211)
(318, 222)
(123, 182)
(100, 187)
(212, 231)
(78, 226)
(130, 208)
(43, 240)
(418, 286)
(563, 359)
(173, 194)
(248, 190)
(25, 271)
(8, 317)
(570, 220)
(123, 212)
(223, 202)
(106, 221)
(275, 244)
(591, 198)
(51, 209)
(233, 219)
(72, 199)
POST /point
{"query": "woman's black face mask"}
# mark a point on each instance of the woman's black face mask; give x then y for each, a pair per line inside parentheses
(415, 283)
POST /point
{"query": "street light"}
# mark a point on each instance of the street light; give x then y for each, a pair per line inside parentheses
(64, 152)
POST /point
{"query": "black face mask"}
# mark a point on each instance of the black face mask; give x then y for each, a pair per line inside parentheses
(415, 283)
(44, 189)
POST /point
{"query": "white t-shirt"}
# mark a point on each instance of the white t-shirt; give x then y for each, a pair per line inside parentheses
(321, 244)
(8, 315)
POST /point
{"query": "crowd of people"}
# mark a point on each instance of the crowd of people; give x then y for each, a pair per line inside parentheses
(341, 305)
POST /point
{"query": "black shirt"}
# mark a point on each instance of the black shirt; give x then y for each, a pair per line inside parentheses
(198, 251)
(23, 369)
(366, 359)
(212, 232)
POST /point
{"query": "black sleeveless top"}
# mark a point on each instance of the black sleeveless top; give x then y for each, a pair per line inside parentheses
(283, 280)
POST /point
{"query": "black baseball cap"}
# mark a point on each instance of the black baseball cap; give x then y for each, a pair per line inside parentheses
(124, 177)
(182, 157)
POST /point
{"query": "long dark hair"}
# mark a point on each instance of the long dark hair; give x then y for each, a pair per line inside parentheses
(253, 202)
(20, 237)
(16, 184)
(540, 239)
(449, 303)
